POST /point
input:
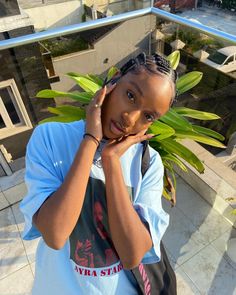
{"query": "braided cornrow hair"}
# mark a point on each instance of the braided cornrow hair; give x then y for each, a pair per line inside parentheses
(156, 64)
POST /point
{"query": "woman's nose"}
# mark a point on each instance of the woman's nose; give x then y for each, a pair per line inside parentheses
(131, 118)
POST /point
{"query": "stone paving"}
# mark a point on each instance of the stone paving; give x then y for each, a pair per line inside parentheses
(195, 241)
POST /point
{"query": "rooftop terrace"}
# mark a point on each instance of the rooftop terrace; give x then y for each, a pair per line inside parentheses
(196, 243)
(200, 227)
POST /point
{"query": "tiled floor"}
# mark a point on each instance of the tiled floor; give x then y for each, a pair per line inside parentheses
(195, 242)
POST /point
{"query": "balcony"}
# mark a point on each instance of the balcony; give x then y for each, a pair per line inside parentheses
(201, 224)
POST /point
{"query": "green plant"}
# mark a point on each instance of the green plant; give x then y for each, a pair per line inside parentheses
(195, 41)
(229, 4)
(61, 46)
(172, 128)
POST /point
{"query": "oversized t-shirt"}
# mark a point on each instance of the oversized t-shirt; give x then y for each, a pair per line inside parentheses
(88, 263)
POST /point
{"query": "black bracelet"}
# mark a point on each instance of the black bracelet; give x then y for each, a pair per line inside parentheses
(88, 134)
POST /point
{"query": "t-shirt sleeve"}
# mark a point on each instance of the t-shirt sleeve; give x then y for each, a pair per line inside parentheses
(41, 178)
(148, 205)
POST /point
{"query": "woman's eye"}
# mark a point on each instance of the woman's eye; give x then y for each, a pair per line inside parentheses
(130, 96)
(149, 117)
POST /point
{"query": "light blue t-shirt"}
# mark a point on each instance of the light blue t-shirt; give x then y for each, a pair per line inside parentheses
(88, 263)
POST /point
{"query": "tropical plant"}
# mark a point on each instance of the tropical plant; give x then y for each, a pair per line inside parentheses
(171, 128)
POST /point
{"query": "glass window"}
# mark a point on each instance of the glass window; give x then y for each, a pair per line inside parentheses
(7, 97)
(230, 59)
(13, 114)
(217, 57)
(2, 124)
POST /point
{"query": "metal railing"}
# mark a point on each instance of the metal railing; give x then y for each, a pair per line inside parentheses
(62, 31)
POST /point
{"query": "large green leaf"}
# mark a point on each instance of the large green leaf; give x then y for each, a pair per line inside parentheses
(93, 78)
(112, 71)
(171, 171)
(67, 110)
(195, 114)
(86, 84)
(208, 132)
(74, 74)
(175, 120)
(96, 79)
(233, 211)
(188, 81)
(181, 151)
(181, 134)
(166, 194)
(83, 97)
(162, 129)
(174, 59)
(77, 75)
(177, 161)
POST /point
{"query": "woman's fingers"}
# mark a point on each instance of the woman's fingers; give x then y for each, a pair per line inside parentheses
(139, 137)
(110, 87)
(101, 94)
(93, 112)
(119, 147)
(99, 98)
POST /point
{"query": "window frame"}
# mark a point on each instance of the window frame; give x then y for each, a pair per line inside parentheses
(17, 101)
(227, 60)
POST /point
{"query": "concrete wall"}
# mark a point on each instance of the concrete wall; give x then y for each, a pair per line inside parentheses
(55, 15)
(116, 7)
(14, 22)
(8, 8)
(176, 5)
(130, 37)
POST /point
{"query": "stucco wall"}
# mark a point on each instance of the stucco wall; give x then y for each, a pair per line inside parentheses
(179, 4)
(129, 37)
(116, 7)
(56, 15)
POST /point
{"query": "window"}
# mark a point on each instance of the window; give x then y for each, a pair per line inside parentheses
(13, 115)
(230, 59)
(217, 57)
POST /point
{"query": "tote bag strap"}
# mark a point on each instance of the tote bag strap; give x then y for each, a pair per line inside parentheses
(156, 278)
(145, 158)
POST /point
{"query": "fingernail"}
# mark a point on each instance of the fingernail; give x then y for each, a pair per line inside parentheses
(154, 135)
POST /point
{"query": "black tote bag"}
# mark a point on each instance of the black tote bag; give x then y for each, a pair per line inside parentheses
(156, 278)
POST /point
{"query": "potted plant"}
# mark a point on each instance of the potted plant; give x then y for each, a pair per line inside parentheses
(172, 127)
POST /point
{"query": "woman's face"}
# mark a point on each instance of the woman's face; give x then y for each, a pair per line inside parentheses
(135, 103)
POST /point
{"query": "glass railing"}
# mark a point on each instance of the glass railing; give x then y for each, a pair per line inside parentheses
(210, 52)
(32, 61)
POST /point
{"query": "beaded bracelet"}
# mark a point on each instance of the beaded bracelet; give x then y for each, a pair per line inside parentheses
(94, 138)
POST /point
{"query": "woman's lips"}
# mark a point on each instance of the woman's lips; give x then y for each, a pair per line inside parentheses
(116, 129)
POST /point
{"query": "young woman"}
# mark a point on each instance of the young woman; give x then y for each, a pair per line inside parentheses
(97, 216)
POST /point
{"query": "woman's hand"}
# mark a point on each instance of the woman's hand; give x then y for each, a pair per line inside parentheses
(116, 148)
(93, 112)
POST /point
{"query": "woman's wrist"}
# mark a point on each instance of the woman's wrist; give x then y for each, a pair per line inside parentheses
(109, 160)
(92, 138)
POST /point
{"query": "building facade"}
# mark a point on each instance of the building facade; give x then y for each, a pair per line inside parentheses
(176, 5)
(23, 74)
